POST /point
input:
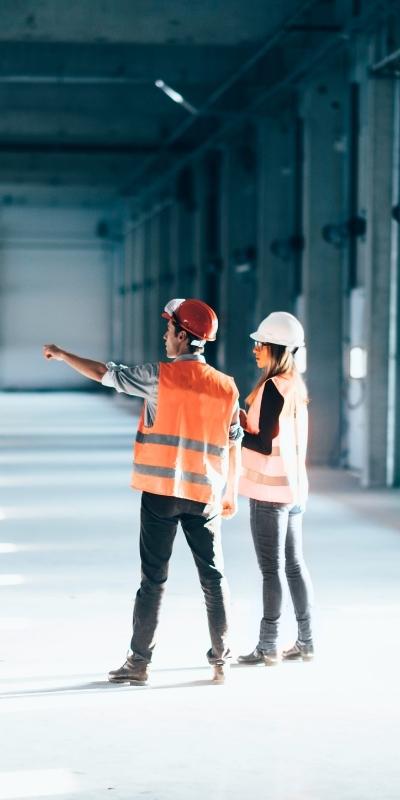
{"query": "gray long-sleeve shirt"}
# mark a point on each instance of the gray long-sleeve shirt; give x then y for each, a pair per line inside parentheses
(142, 380)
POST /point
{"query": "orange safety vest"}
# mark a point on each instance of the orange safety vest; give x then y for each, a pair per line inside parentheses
(280, 477)
(185, 452)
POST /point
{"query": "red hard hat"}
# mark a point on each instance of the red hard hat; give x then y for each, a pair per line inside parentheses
(197, 318)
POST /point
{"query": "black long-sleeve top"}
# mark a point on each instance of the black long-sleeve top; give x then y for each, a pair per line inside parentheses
(270, 409)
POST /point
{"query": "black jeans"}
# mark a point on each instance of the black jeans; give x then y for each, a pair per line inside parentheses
(277, 533)
(159, 517)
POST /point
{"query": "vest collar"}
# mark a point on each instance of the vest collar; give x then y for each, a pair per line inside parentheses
(190, 357)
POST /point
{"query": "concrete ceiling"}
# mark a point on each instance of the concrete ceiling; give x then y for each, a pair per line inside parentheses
(77, 80)
(179, 22)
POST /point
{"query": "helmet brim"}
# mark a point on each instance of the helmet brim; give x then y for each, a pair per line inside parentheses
(257, 337)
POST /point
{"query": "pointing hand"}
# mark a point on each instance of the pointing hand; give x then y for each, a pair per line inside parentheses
(52, 351)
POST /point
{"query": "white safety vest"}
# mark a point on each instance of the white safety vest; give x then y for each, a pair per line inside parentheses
(280, 477)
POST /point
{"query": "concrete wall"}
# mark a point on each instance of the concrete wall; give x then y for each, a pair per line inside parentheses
(55, 286)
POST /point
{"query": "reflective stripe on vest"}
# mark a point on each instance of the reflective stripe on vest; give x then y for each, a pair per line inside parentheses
(180, 441)
(164, 472)
(268, 480)
(276, 451)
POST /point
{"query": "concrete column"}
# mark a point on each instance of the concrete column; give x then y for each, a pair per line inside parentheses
(324, 108)
(211, 256)
(198, 234)
(152, 324)
(240, 238)
(165, 276)
(186, 207)
(226, 273)
(394, 334)
(276, 223)
(137, 290)
(117, 304)
(127, 298)
(174, 248)
(379, 277)
(147, 287)
(354, 397)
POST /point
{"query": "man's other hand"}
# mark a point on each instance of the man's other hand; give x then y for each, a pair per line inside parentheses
(229, 507)
(52, 351)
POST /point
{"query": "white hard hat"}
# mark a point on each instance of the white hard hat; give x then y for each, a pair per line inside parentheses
(171, 306)
(280, 328)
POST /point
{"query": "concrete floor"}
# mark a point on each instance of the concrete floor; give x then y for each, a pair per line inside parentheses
(69, 570)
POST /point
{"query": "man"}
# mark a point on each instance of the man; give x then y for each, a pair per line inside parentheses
(186, 462)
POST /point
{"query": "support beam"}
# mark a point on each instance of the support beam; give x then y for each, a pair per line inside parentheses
(276, 214)
(378, 279)
(240, 259)
(324, 112)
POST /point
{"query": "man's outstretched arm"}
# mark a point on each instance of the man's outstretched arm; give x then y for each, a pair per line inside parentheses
(90, 369)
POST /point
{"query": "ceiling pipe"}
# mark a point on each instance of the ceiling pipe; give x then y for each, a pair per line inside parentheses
(385, 62)
(296, 74)
(270, 42)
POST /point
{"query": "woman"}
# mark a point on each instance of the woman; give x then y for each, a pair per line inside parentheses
(274, 478)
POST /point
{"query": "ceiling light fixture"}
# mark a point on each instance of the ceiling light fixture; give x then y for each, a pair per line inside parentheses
(175, 96)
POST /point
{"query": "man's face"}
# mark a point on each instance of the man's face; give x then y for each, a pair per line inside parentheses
(172, 341)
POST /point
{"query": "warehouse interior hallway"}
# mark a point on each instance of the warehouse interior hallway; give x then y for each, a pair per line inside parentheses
(69, 571)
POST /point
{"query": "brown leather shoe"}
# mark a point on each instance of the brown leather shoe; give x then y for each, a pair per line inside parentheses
(134, 671)
(220, 673)
(255, 657)
(271, 659)
(300, 650)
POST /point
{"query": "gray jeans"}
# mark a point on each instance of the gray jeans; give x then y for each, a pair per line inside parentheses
(277, 534)
(159, 518)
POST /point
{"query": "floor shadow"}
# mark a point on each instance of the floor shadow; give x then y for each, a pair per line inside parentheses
(25, 678)
(101, 686)
(187, 685)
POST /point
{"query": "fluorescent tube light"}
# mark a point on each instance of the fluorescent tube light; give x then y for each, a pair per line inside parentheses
(175, 96)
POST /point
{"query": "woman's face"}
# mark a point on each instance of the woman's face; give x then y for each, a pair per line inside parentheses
(261, 354)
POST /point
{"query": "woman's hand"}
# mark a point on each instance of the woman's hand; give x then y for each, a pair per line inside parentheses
(243, 418)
